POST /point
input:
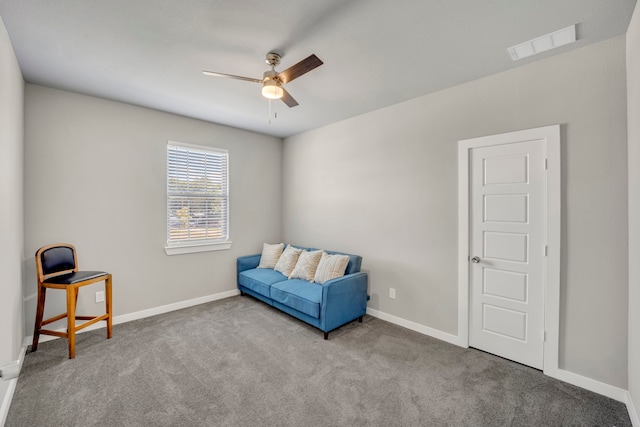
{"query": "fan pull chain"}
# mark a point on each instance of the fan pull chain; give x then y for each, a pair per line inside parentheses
(275, 113)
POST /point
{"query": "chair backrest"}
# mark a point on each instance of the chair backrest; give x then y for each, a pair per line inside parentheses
(55, 259)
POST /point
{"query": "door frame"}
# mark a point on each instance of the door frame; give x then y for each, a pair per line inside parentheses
(551, 137)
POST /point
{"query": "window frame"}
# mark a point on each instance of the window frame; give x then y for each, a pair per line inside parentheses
(189, 245)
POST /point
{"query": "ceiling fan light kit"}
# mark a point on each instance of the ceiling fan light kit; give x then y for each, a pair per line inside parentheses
(271, 89)
(272, 81)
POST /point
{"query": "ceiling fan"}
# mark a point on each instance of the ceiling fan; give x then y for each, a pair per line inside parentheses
(272, 81)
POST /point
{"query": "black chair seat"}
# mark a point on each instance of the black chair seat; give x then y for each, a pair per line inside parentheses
(75, 277)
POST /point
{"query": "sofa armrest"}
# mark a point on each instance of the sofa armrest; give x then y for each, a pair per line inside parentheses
(343, 299)
(247, 262)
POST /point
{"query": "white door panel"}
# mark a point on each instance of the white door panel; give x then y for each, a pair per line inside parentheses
(505, 170)
(505, 284)
(505, 246)
(506, 208)
(507, 233)
(509, 324)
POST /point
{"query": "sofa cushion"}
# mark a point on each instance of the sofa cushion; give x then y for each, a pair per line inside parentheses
(260, 280)
(288, 260)
(306, 265)
(355, 261)
(300, 295)
(270, 255)
(330, 267)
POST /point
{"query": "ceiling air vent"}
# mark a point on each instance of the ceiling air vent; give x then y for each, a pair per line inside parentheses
(543, 43)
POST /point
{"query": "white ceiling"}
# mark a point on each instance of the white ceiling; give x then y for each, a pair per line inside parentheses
(376, 52)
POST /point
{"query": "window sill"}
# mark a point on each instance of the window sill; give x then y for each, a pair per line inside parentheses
(194, 248)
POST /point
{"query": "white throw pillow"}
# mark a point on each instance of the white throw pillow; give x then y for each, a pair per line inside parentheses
(288, 260)
(306, 265)
(330, 267)
(270, 255)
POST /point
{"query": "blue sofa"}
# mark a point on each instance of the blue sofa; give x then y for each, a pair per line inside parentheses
(327, 306)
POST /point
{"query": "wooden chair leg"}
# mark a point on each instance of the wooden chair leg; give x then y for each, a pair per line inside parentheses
(109, 306)
(72, 292)
(42, 293)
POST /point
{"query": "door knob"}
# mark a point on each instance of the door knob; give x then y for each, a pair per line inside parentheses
(475, 259)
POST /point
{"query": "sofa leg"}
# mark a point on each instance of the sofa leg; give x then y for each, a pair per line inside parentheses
(360, 319)
(326, 335)
(242, 294)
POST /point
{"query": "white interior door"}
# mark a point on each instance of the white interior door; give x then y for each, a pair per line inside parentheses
(507, 232)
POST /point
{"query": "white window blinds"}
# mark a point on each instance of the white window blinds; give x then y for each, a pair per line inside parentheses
(197, 195)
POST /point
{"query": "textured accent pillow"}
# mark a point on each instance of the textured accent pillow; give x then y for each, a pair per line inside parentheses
(330, 267)
(306, 265)
(288, 260)
(270, 255)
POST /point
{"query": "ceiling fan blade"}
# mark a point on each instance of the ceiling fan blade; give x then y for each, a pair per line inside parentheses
(299, 69)
(231, 76)
(288, 99)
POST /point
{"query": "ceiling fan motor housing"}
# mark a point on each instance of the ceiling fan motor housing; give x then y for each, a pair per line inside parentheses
(273, 59)
(270, 75)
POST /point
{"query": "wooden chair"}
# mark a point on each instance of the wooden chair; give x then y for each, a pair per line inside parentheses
(57, 268)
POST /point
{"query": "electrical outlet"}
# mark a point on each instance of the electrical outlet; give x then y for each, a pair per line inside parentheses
(100, 296)
(392, 293)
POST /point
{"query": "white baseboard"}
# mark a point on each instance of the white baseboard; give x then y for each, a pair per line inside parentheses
(633, 413)
(607, 390)
(172, 307)
(592, 385)
(425, 330)
(124, 318)
(6, 401)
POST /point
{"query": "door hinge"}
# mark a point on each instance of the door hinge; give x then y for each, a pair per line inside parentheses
(544, 336)
(546, 250)
(546, 164)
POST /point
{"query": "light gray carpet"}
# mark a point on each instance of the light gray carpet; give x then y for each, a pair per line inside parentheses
(239, 362)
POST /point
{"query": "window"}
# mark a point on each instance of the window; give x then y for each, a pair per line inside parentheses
(197, 198)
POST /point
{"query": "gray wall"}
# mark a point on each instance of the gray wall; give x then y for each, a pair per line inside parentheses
(633, 114)
(95, 176)
(11, 208)
(384, 185)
